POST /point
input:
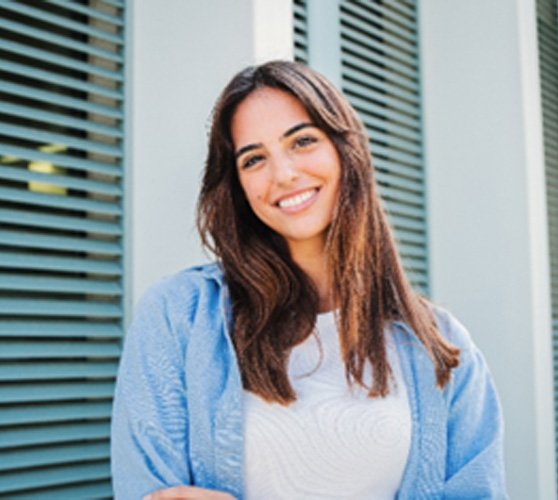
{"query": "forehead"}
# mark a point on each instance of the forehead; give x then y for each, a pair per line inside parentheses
(265, 114)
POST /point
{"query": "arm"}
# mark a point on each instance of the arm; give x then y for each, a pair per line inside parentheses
(149, 444)
(474, 465)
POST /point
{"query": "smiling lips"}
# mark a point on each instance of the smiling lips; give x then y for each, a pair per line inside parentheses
(299, 201)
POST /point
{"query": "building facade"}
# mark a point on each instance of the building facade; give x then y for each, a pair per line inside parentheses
(104, 110)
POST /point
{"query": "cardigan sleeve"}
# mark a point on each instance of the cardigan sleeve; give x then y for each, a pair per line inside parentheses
(149, 435)
(474, 465)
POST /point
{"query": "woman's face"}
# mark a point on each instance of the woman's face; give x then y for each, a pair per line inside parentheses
(288, 168)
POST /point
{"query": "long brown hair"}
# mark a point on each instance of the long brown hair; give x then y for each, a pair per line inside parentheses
(274, 302)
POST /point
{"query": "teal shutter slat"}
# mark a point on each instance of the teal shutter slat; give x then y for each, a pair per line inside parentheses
(398, 107)
(61, 243)
(58, 349)
(394, 28)
(399, 73)
(59, 370)
(31, 92)
(71, 142)
(66, 62)
(379, 125)
(43, 14)
(396, 122)
(50, 391)
(362, 35)
(28, 218)
(395, 208)
(389, 179)
(396, 156)
(547, 27)
(28, 71)
(378, 20)
(389, 133)
(414, 253)
(98, 489)
(57, 433)
(76, 7)
(58, 119)
(408, 223)
(68, 140)
(392, 140)
(115, 3)
(30, 260)
(18, 174)
(8, 152)
(71, 285)
(55, 412)
(56, 201)
(38, 240)
(67, 308)
(380, 76)
(383, 84)
(405, 9)
(47, 327)
(34, 478)
(405, 197)
(39, 458)
(64, 42)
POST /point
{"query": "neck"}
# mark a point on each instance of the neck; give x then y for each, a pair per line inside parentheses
(313, 261)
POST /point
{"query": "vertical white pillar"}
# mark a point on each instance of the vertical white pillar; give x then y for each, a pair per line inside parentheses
(273, 30)
(324, 44)
(487, 212)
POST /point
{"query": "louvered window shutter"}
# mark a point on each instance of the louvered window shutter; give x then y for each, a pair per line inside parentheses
(380, 76)
(300, 23)
(547, 21)
(61, 243)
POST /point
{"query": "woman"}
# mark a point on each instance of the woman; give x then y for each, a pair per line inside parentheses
(301, 365)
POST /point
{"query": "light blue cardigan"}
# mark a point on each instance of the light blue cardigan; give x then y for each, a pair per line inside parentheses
(178, 418)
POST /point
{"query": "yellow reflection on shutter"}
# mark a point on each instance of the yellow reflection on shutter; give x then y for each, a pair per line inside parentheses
(45, 167)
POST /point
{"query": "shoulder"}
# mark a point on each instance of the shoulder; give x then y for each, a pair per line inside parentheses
(471, 365)
(167, 314)
(471, 379)
(452, 329)
(185, 281)
(181, 292)
(169, 308)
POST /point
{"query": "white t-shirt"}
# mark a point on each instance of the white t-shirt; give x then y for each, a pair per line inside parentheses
(334, 442)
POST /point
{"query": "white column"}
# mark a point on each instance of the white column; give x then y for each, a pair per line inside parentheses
(487, 212)
(183, 53)
(273, 30)
(324, 44)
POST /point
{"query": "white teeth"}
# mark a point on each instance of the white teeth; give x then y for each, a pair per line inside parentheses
(297, 200)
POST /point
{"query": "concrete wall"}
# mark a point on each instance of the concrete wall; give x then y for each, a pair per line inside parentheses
(487, 213)
(183, 53)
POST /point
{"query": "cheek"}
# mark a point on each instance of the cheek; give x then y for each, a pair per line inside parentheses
(253, 189)
(252, 194)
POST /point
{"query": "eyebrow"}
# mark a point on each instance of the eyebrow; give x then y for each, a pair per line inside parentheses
(291, 131)
(296, 128)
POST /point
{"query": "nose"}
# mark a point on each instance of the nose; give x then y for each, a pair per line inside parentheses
(284, 170)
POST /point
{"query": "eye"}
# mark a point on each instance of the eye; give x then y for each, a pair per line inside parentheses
(250, 161)
(304, 141)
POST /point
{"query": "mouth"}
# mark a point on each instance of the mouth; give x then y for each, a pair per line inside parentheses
(298, 201)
